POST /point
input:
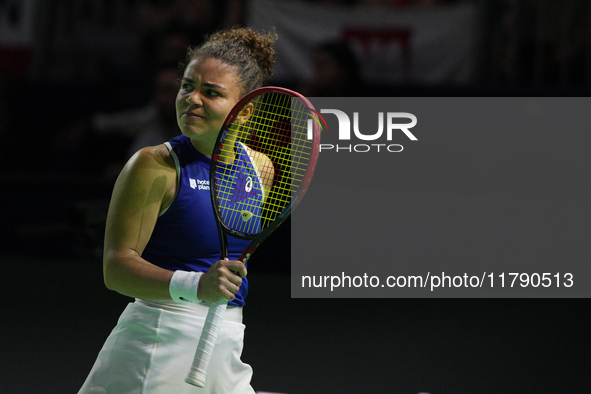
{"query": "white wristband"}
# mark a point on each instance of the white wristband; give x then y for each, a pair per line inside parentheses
(183, 286)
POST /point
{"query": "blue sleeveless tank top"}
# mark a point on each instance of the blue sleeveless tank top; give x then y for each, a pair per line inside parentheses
(185, 236)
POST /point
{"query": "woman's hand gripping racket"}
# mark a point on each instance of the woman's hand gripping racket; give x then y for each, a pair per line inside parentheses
(261, 166)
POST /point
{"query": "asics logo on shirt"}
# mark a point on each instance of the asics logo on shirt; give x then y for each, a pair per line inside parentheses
(244, 185)
(248, 186)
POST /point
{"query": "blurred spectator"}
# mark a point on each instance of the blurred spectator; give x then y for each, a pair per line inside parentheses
(150, 125)
(544, 43)
(8, 125)
(401, 3)
(5, 118)
(174, 48)
(336, 72)
(179, 20)
(104, 142)
(332, 2)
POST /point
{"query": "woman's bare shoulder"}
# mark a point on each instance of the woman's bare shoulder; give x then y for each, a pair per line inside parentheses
(258, 156)
(264, 166)
(157, 158)
(149, 168)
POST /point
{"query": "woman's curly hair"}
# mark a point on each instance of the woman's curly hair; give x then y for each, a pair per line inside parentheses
(251, 54)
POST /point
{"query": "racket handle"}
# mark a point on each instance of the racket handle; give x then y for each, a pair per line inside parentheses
(207, 341)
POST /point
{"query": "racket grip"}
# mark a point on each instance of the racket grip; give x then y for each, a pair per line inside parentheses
(207, 341)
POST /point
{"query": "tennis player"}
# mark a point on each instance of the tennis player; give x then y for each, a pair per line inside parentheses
(161, 241)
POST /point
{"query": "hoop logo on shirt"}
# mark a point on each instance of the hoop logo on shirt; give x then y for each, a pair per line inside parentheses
(198, 184)
(246, 215)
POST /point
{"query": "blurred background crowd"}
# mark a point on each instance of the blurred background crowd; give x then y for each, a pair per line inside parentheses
(85, 83)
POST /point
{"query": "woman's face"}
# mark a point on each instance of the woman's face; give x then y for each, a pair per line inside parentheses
(207, 94)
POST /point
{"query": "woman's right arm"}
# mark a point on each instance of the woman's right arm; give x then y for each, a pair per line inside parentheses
(146, 184)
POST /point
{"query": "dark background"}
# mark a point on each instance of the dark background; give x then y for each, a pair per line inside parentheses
(57, 176)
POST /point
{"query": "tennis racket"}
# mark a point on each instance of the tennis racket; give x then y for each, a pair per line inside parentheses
(261, 166)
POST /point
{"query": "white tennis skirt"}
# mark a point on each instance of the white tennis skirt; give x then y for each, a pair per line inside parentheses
(151, 349)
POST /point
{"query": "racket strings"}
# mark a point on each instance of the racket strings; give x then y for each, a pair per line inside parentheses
(278, 130)
(282, 121)
(239, 191)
